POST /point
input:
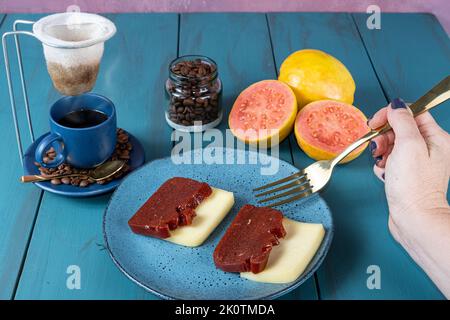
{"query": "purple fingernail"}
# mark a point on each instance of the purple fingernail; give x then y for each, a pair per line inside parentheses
(398, 103)
(382, 175)
(372, 146)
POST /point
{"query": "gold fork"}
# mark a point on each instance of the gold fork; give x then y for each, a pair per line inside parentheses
(314, 177)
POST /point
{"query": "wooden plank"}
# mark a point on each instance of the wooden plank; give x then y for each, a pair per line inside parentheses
(240, 45)
(410, 66)
(18, 202)
(69, 231)
(410, 54)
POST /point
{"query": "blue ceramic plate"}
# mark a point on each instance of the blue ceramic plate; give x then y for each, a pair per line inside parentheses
(175, 272)
(137, 157)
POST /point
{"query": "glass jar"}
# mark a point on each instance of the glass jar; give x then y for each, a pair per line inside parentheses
(194, 93)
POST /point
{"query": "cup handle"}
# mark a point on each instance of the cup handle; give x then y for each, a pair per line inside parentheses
(44, 145)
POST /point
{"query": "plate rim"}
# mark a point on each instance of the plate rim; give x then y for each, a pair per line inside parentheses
(295, 284)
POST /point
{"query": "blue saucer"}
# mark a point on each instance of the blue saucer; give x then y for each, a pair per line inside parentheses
(137, 157)
(176, 272)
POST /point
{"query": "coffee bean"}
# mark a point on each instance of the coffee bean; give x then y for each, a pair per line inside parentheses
(188, 102)
(55, 181)
(122, 138)
(84, 183)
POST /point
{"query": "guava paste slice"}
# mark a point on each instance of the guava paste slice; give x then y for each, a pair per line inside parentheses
(171, 206)
(247, 243)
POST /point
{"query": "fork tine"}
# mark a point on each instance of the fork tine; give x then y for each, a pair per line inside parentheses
(272, 184)
(304, 187)
(297, 197)
(300, 181)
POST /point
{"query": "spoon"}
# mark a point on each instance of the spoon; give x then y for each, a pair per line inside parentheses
(102, 172)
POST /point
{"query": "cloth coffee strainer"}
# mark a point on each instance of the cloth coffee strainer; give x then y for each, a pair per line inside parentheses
(73, 44)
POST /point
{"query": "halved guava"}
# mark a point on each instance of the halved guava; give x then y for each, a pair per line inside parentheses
(325, 128)
(264, 113)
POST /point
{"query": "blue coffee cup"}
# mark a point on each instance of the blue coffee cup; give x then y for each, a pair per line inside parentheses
(84, 147)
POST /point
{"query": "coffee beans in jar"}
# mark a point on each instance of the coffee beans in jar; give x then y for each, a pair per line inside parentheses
(194, 93)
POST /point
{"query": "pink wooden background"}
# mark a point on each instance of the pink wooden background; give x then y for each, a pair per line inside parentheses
(440, 8)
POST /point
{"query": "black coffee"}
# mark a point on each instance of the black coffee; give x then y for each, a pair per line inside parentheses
(83, 118)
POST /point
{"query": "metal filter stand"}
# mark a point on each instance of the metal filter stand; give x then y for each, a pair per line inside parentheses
(61, 45)
(16, 33)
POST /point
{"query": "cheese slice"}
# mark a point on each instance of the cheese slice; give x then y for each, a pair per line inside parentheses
(289, 259)
(209, 213)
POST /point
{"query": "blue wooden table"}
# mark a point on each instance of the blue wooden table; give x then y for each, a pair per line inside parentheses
(41, 234)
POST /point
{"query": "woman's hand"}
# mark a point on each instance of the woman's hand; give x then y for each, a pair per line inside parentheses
(414, 162)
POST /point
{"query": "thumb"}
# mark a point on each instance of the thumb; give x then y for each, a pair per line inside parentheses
(402, 121)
